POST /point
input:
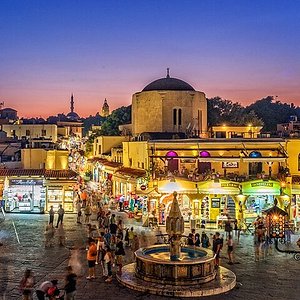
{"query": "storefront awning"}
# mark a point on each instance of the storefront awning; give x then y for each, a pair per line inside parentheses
(261, 187)
(219, 186)
(264, 159)
(179, 186)
(219, 159)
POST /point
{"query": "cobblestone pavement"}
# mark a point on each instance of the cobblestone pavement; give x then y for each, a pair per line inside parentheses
(275, 278)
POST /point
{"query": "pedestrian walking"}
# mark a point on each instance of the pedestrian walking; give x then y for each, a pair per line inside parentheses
(70, 284)
(120, 252)
(217, 247)
(120, 230)
(91, 258)
(51, 215)
(108, 262)
(44, 289)
(79, 213)
(60, 213)
(230, 249)
(26, 285)
(130, 236)
(87, 213)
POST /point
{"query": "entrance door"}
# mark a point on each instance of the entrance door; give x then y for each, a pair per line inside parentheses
(255, 168)
(203, 167)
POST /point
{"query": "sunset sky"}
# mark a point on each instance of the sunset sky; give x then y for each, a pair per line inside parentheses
(239, 50)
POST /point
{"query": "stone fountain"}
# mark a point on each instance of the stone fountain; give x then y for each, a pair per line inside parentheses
(176, 270)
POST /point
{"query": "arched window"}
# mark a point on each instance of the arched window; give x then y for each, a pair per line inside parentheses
(299, 162)
(179, 116)
(255, 154)
(174, 116)
(204, 154)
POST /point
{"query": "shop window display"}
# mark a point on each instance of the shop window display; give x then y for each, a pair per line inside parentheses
(257, 204)
(25, 196)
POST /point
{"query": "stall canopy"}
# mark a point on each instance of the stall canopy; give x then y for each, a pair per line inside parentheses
(261, 187)
(219, 186)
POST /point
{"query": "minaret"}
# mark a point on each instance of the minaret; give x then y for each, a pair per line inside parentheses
(105, 109)
(72, 103)
(175, 229)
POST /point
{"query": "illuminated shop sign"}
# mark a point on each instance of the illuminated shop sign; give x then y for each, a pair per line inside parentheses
(25, 182)
(268, 184)
(230, 164)
(230, 184)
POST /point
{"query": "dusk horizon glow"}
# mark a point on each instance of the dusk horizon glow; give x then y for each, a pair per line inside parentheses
(112, 49)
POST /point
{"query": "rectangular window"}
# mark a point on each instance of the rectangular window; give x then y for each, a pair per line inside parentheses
(44, 132)
(179, 116)
(27, 133)
(99, 149)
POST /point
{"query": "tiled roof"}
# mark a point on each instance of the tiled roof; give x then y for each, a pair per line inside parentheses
(21, 172)
(60, 174)
(131, 172)
(66, 174)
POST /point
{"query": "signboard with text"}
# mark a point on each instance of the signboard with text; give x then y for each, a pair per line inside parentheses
(25, 182)
(230, 164)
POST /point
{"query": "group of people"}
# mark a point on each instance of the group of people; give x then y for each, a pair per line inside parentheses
(194, 239)
(107, 242)
(48, 289)
(50, 231)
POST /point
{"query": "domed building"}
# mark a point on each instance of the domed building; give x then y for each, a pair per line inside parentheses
(169, 105)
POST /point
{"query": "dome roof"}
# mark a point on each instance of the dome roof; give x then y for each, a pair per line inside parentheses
(73, 116)
(168, 84)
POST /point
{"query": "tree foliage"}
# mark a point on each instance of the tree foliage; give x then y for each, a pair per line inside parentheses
(118, 117)
(273, 112)
(220, 111)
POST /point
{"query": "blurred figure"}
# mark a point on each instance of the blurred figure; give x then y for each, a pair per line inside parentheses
(135, 245)
(70, 285)
(49, 235)
(26, 285)
(61, 235)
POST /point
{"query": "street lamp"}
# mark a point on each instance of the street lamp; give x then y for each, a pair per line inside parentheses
(276, 219)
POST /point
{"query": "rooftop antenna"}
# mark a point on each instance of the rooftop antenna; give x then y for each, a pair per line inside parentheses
(168, 72)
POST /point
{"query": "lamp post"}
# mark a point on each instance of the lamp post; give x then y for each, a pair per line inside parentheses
(276, 219)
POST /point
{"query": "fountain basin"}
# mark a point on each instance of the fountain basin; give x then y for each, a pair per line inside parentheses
(195, 266)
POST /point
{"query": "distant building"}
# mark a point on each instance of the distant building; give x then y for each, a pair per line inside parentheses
(72, 115)
(31, 131)
(105, 109)
(8, 115)
(289, 129)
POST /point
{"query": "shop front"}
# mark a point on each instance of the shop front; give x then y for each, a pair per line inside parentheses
(187, 195)
(295, 202)
(60, 192)
(24, 195)
(218, 201)
(259, 196)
